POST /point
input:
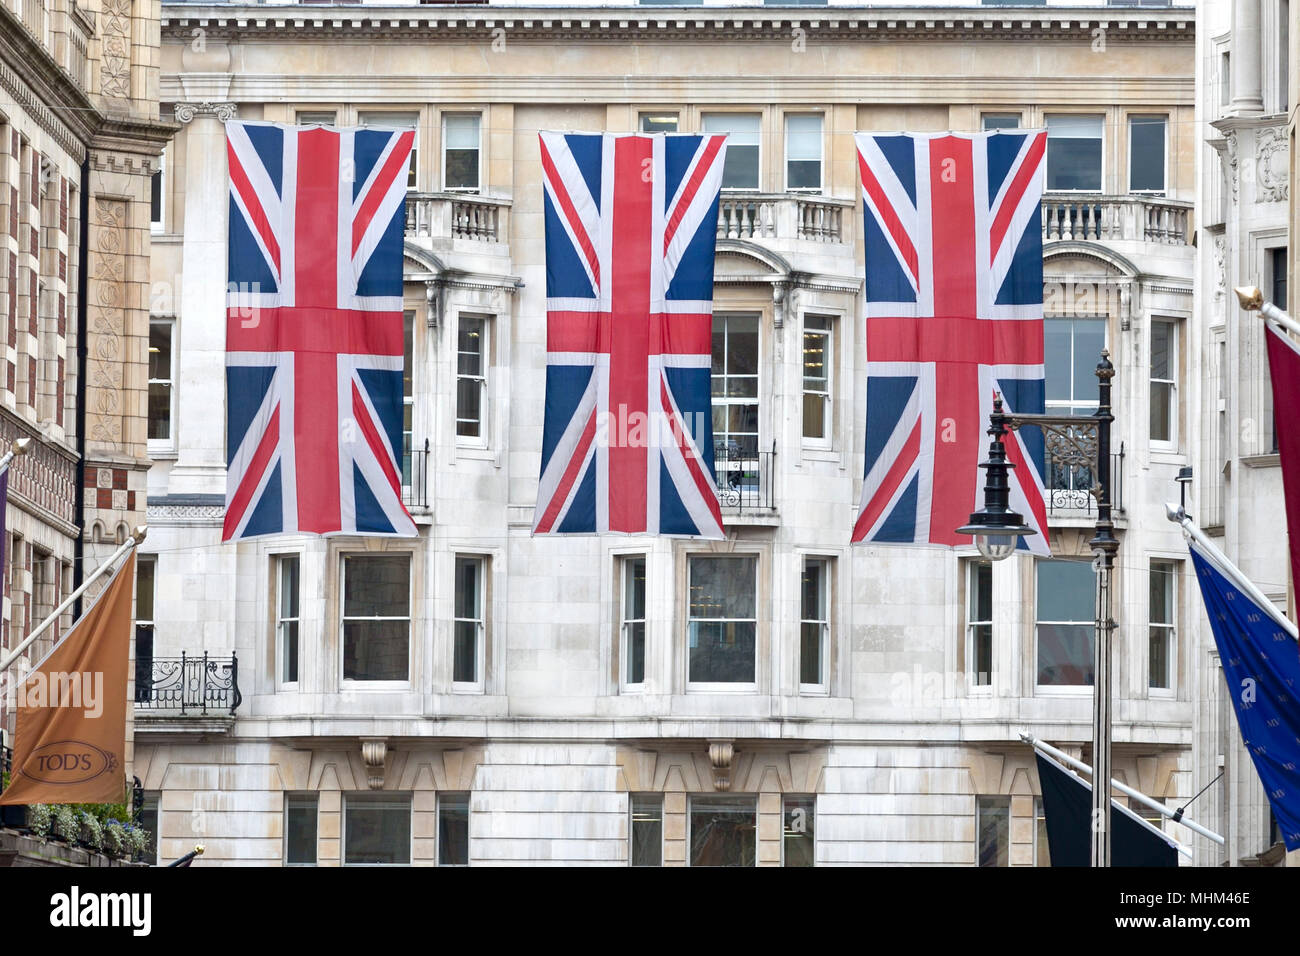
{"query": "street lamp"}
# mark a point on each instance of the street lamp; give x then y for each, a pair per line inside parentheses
(1072, 442)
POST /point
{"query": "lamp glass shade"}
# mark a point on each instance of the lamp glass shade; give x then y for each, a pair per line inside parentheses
(996, 547)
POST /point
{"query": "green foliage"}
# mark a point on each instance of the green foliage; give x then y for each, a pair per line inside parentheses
(115, 840)
(67, 822)
(92, 830)
(40, 816)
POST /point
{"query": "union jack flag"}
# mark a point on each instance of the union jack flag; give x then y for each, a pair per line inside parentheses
(954, 314)
(314, 330)
(627, 445)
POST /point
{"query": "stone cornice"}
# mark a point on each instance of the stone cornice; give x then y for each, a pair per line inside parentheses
(677, 25)
(31, 77)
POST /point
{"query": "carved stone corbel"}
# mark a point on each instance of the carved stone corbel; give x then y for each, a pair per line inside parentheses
(721, 754)
(373, 752)
(434, 291)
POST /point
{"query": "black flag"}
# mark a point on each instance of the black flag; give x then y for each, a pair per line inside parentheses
(1067, 804)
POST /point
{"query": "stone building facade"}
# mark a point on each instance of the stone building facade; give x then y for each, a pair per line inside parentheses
(79, 142)
(546, 703)
(1236, 494)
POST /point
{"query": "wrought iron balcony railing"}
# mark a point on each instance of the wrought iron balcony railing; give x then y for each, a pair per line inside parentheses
(744, 476)
(192, 684)
(415, 475)
(1069, 486)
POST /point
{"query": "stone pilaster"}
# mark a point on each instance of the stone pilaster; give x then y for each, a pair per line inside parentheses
(1247, 86)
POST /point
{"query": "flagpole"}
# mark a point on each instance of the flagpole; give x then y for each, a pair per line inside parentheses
(1252, 300)
(1137, 795)
(136, 537)
(1177, 515)
(16, 448)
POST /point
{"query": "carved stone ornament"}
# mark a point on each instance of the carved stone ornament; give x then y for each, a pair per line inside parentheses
(224, 112)
(1230, 162)
(1271, 163)
(721, 753)
(373, 752)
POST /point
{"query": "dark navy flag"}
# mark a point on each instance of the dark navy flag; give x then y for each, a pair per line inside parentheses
(1067, 806)
(1261, 664)
(4, 516)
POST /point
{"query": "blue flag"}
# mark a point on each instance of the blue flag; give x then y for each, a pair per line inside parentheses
(1261, 663)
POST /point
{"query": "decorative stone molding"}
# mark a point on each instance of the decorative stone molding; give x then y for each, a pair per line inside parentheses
(434, 297)
(224, 112)
(721, 755)
(108, 321)
(373, 752)
(1271, 162)
(115, 50)
(1230, 161)
(27, 100)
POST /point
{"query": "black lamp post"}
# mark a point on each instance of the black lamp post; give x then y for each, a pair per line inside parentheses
(1072, 442)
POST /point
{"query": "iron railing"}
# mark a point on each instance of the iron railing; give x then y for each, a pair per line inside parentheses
(1069, 488)
(189, 683)
(415, 476)
(744, 476)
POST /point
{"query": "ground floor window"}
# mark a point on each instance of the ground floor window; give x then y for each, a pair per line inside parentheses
(376, 829)
(723, 831)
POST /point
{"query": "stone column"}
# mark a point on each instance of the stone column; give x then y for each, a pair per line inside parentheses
(201, 322)
(1247, 93)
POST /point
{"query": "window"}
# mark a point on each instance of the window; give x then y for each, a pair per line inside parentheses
(162, 397)
(453, 829)
(993, 831)
(658, 122)
(1164, 396)
(735, 386)
(817, 380)
(467, 650)
(149, 823)
(1074, 153)
(1160, 624)
(814, 623)
(376, 829)
(979, 623)
(471, 376)
(803, 152)
(995, 121)
(1066, 622)
(315, 118)
(376, 617)
(1146, 154)
(146, 567)
(647, 830)
(460, 152)
(1278, 275)
(1225, 78)
(300, 829)
(741, 169)
(723, 831)
(797, 831)
(632, 628)
(397, 121)
(1014, 3)
(723, 624)
(156, 195)
(1072, 349)
(286, 617)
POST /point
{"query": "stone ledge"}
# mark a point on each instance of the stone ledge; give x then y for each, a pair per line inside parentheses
(21, 849)
(174, 724)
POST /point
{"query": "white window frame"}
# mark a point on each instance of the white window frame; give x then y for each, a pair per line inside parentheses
(480, 622)
(1164, 177)
(1171, 443)
(642, 115)
(279, 563)
(1172, 568)
(758, 186)
(827, 333)
(1064, 690)
(1008, 114)
(973, 686)
(625, 565)
(1101, 188)
(352, 683)
(821, 687)
(722, 687)
(481, 440)
(468, 190)
(821, 153)
(164, 446)
(312, 117)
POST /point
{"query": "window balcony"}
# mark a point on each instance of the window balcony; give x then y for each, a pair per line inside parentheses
(451, 216)
(744, 478)
(820, 219)
(1085, 217)
(415, 475)
(192, 685)
(1069, 488)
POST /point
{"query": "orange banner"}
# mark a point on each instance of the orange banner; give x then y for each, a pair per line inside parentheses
(70, 735)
